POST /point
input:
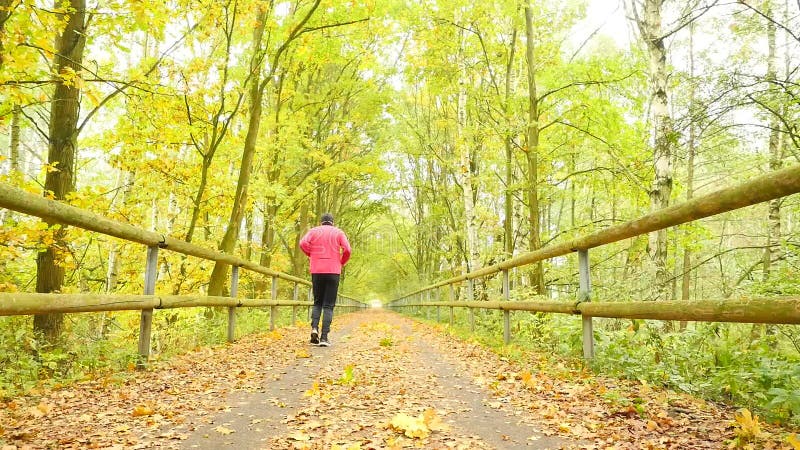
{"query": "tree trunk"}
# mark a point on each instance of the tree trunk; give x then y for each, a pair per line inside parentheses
(125, 184)
(532, 153)
(298, 257)
(13, 147)
(5, 14)
(662, 135)
(14, 139)
(774, 209)
(219, 274)
(686, 277)
(464, 174)
(508, 223)
(63, 136)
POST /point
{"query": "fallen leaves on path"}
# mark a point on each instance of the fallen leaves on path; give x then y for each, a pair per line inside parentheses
(420, 426)
(608, 413)
(149, 408)
(370, 391)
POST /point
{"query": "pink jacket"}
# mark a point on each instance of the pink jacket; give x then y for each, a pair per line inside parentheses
(327, 247)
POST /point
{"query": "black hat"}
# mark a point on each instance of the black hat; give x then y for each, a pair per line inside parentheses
(327, 219)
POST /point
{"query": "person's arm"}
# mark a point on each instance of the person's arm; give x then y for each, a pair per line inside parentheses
(346, 250)
(305, 244)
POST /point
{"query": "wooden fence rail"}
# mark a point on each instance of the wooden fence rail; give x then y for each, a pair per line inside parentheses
(18, 304)
(784, 310)
(760, 189)
(24, 202)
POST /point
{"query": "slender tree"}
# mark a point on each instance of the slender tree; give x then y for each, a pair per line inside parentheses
(774, 146)
(62, 140)
(532, 152)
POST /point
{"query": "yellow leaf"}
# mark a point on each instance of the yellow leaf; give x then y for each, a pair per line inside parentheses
(433, 421)
(794, 441)
(651, 426)
(413, 427)
(223, 430)
(92, 96)
(141, 410)
(563, 427)
(302, 353)
(748, 427)
(314, 391)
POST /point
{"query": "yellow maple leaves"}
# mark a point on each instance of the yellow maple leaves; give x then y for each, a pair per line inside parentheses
(418, 427)
(142, 410)
(748, 427)
(794, 441)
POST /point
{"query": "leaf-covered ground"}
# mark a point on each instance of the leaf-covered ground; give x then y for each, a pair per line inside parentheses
(387, 382)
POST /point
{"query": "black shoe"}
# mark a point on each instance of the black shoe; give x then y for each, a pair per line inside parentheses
(324, 342)
(314, 336)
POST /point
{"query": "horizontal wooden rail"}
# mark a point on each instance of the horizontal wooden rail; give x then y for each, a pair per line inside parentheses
(15, 304)
(19, 200)
(538, 306)
(760, 189)
(785, 310)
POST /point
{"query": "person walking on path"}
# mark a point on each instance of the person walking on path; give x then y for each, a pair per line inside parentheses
(328, 250)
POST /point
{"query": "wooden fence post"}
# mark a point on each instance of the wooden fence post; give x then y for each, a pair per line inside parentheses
(451, 293)
(232, 309)
(585, 295)
(273, 309)
(146, 321)
(295, 295)
(471, 297)
(506, 313)
(310, 299)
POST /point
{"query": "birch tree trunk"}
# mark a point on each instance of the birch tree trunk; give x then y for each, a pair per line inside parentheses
(508, 223)
(775, 146)
(125, 184)
(532, 153)
(662, 133)
(64, 111)
(14, 139)
(465, 163)
(465, 175)
(687, 252)
(13, 147)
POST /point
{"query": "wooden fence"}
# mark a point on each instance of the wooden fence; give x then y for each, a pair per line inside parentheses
(770, 310)
(55, 212)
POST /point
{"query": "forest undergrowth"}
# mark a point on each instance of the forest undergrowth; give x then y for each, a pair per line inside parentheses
(106, 344)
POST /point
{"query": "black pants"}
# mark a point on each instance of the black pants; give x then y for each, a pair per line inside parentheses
(326, 288)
